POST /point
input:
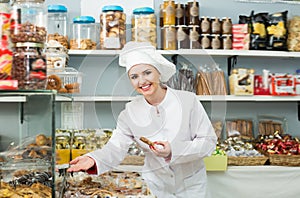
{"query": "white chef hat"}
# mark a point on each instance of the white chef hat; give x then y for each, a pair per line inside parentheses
(135, 53)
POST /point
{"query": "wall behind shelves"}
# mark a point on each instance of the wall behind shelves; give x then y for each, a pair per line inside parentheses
(103, 76)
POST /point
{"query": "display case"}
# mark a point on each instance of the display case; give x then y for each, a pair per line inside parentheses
(26, 137)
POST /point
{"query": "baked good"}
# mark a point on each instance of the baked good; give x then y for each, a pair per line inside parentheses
(54, 82)
(147, 141)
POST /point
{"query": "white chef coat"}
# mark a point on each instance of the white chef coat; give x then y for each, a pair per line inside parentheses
(180, 119)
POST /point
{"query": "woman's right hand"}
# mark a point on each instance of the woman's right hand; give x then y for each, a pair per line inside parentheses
(81, 163)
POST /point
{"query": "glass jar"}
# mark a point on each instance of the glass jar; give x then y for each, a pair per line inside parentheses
(83, 33)
(29, 66)
(194, 37)
(226, 25)
(57, 24)
(169, 37)
(205, 25)
(192, 13)
(63, 148)
(216, 41)
(180, 14)
(215, 25)
(4, 17)
(182, 37)
(4, 6)
(169, 13)
(112, 27)
(227, 41)
(143, 24)
(28, 22)
(205, 41)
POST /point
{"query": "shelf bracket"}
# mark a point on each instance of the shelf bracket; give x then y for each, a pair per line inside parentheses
(231, 63)
(22, 113)
(174, 59)
(298, 109)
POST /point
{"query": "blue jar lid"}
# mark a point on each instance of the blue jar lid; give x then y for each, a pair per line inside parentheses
(57, 8)
(143, 10)
(112, 8)
(84, 19)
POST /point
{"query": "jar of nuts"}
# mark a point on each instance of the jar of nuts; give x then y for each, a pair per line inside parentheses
(83, 33)
(143, 24)
(29, 66)
(112, 27)
(57, 24)
(27, 21)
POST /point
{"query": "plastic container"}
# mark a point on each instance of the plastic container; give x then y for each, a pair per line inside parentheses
(68, 81)
(143, 24)
(112, 27)
(57, 27)
(29, 66)
(83, 33)
(28, 22)
(25, 172)
(56, 56)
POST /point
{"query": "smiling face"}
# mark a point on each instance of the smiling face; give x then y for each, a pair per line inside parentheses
(145, 79)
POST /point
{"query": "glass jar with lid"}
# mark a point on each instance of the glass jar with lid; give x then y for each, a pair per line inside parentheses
(169, 12)
(169, 37)
(192, 13)
(83, 33)
(112, 27)
(57, 24)
(29, 66)
(182, 37)
(28, 21)
(143, 24)
(4, 17)
(194, 37)
(4, 6)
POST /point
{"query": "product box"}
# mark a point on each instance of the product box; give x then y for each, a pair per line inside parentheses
(241, 82)
(216, 163)
(283, 85)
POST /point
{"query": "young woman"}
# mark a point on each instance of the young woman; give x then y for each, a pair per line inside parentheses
(173, 122)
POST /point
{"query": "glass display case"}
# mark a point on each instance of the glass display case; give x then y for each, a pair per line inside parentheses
(27, 156)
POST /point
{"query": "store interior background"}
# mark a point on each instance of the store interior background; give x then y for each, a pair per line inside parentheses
(103, 77)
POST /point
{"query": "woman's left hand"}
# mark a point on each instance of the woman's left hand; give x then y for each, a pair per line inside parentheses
(162, 149)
